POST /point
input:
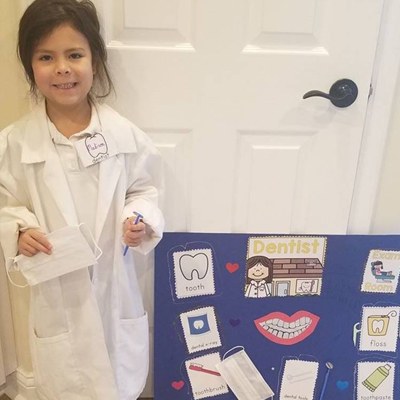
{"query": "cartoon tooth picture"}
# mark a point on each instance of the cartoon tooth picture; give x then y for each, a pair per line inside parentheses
(307, 286)
(378, 324)
(194, 266)
(198, 324)
(287, 330)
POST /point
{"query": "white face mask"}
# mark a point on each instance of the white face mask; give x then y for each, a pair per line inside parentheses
(243, 378)
(71, 251)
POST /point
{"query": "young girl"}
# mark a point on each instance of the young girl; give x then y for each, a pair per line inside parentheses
(75, 176)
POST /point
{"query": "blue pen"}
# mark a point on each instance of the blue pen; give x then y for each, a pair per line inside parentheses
(138, 218)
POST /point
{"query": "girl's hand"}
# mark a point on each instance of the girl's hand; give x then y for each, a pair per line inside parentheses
(133, 234)
(32, 241)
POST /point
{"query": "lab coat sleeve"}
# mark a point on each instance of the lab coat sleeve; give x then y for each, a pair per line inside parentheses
(145, 180)
(14, 212)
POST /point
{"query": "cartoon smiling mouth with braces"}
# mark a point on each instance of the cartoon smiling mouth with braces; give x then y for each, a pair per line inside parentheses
(287, 330)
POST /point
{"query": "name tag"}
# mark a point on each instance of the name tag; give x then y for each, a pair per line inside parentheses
(94, 149)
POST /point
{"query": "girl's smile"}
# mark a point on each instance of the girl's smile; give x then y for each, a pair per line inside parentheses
(66, 85)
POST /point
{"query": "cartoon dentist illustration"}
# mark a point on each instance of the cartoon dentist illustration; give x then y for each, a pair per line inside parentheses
(259, 274)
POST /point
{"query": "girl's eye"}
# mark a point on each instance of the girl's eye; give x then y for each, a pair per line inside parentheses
(45, 58)
(76, 55)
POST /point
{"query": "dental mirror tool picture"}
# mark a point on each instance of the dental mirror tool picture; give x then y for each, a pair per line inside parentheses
(329, 367)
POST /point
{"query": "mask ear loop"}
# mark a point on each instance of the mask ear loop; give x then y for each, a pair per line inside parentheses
(10, 279)
(100, 252)
(233, 348)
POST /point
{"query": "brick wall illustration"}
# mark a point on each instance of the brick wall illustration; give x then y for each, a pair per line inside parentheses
(296, 276)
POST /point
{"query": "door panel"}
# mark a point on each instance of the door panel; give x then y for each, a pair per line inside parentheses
(219, 87)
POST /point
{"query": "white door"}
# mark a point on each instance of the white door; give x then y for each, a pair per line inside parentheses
(218, 85)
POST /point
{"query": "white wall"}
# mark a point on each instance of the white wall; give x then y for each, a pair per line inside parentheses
(387, 209)
(13, 104)
(13, 97)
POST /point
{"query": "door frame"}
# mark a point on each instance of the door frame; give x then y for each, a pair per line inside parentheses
(384, 82)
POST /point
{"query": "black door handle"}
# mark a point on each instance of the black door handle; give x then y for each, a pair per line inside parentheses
(342, 93)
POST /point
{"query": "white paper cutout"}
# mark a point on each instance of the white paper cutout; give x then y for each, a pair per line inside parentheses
(381, 274)
(243, 377)
(298, 380)
(95, 148)
(284, 266)
(379, 328)
(200, 329)
(204, 378)
(375, 380)
(194, 273)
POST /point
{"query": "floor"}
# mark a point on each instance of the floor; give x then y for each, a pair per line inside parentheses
(5, 397)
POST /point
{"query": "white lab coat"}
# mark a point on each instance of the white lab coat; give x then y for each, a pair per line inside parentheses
(87, 339)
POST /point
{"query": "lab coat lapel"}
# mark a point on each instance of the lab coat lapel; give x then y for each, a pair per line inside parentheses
(40, 148)
(109, 173)
(118, 135)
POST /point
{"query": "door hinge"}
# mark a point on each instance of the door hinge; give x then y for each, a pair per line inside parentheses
(371, 91)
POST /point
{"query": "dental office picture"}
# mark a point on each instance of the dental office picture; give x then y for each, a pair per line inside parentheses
(229, 116)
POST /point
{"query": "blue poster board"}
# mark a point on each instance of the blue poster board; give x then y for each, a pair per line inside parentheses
(340, 307)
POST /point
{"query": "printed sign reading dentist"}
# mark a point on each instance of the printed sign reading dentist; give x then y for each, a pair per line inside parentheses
(94, 149)
(284, 266)
(194, 273)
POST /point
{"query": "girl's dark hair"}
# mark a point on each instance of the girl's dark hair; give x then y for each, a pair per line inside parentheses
(43, 16)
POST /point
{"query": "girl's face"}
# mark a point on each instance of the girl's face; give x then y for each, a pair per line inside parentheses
(258, 272)
(63, 69)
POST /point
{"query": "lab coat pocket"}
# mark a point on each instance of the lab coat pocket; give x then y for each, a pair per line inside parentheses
(133, 352)
(56, 369)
